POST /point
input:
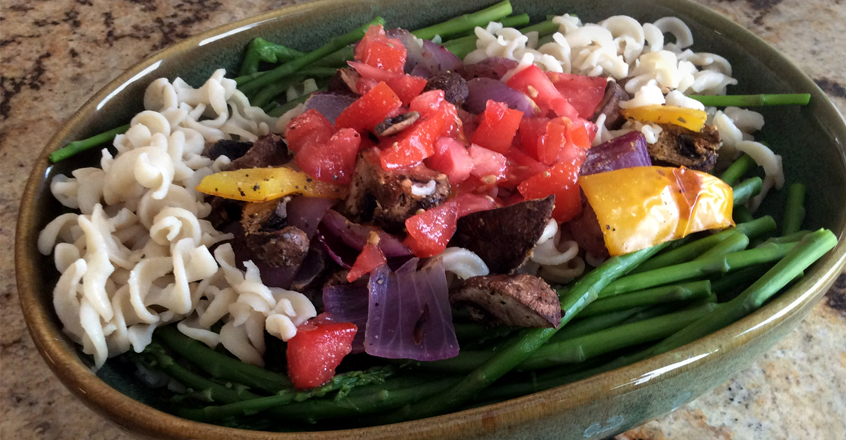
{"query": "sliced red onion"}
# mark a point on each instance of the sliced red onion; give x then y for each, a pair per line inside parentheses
(314, 265)
(349, 303)
(329, 104)
(413, 49)
(626, 151)
(421, 71)
(337, 250)
(437, 59)
(355, 235)
(493, 67)
(409, 315)
(307, 212)
(483, 89)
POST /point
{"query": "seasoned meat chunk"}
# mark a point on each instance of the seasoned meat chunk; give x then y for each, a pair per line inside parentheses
(504, 237)
(267, 151)
(344, 82)
(388, 198)
(519, 300)
(269, 237)
(610, 106)
(223, 211)
(678, 146)
(226, 147)
(454, 87)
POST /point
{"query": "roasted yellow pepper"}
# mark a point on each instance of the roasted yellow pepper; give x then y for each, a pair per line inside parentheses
(644, 206)
(262, 184)
(688, 118)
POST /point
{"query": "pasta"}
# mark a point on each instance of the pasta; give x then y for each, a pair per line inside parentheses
(141, 227)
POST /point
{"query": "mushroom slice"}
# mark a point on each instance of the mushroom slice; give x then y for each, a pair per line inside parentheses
(518, 300)
(393, 125)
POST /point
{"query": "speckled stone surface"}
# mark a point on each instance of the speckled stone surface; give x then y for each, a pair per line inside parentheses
(55, 54)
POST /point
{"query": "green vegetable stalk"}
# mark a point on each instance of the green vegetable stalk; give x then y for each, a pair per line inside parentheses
(736, 242)
(747, 189)
(77, 147)
(738, 169)
(649, 297)
(543, 28)
(753, 100)
(219, 365)
(794, 211)
(466, 22)
(294, 65)
(593, 324)
(263, 50)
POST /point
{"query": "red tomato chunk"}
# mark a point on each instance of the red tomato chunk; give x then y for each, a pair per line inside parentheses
(584, 93)
(369, 110)
(317, 350)
(451, 158)
(377, 50)
(498, 126)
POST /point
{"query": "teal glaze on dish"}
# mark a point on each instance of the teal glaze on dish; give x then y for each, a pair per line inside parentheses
(807, 137)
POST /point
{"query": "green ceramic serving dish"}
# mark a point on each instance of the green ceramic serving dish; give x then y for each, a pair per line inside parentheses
(807, 137)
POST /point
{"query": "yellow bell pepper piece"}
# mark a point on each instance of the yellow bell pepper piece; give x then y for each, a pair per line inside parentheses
(262, 184)
(688, 118)
(640, 207)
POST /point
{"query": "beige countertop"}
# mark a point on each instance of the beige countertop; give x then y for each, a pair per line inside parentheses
(55, 54)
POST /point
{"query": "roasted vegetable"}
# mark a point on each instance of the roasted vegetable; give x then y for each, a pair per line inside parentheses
(688, 118)
(263, 184)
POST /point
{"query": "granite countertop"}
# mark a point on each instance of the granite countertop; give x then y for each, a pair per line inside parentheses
(56, 54)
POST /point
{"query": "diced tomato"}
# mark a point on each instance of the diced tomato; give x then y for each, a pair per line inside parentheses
(520, 167)
(405, 86)
(561, 180)
(533, 82)
(451, 158)
(369, 259)
(316, 350)
(377, 50)
(310, 127)
(414, 144)
(468, 122)
(428, 103)
(430, 231)
(467, 204)
(332, 161)
(372, 108)
(584, 93)
(498, 126)
(532, 131)
(489, 166)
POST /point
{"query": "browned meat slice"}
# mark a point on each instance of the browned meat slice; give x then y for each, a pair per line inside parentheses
(610, 106)
(585, 230)
(269, 237)
(226, 147)
(678, 146)
(504, 237)
(267, 151)
(519, 300)
(388, 198)
(454, 87)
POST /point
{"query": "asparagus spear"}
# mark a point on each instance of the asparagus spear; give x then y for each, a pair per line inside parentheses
(649, 297)
(263, 50)
(747, 189)
(219, 365)
(294, 65)
(465, 22)
(582, 294)
(698, 269)
(77, 147)
(342, 382)
(794, 212)
(754, 100)
(159, 359)
(742, 214)
(613, 339)
(594, 324)
(796, 236)
(737, 169)
(337, 59)
(735, 242)
(689, 251)
(543, 28)
(269, 93)
(514, 21)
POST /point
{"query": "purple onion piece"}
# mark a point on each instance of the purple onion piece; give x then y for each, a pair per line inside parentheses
(421, 71)
(483, 89)
(314, 265)
(409, 315)
(626, 151)
(306, 213)
(349, 303)
(336, 249)
(329, 104)
(437, 59)
(493, 67)
(355, 235)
